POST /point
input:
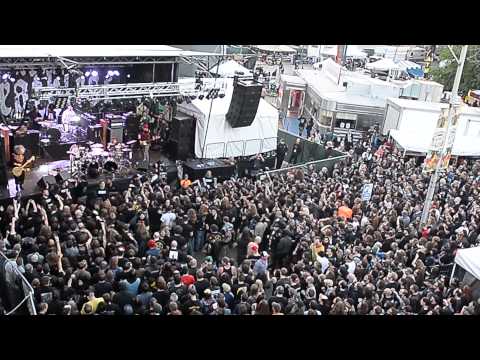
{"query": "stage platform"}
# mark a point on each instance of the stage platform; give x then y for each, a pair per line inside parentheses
(44, 167)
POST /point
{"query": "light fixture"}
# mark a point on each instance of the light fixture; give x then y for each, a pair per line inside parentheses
(128, 76)
(87, 74)
(200, 97)
(94, 73)
(5, 76)
(12, 79)
(116, 73)
(110, 73)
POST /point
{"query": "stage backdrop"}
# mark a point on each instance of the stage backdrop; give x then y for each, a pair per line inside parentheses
(14, 95)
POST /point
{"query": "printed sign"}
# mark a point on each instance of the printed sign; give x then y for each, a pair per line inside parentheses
(367, 192)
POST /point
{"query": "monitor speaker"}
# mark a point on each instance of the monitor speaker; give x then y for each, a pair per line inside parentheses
(62, 176)
(244, 104)
(47, 180)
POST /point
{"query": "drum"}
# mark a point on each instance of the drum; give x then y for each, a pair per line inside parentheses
(54, 134)
(127, 154)
(110, 166)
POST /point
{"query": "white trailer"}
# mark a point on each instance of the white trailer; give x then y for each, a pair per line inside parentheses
(411, 123)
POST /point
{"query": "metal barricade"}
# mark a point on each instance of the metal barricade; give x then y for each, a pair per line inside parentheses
(26, 287)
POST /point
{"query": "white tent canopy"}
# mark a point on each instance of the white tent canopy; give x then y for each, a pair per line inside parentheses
(228, 69)
(469, 259)
(215, 138)
(405, 64)
(352, 51)
(383, 65)
(39, 51)
(276, 48)
(420, 141)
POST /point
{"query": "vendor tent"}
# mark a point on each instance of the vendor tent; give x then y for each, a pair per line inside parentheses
(214, 136)
(467, 269)
(276, 48)
(352, 51)
(229, 69)
(469, 260)
(382, 65)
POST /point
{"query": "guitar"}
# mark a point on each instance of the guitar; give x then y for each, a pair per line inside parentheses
(18, 170)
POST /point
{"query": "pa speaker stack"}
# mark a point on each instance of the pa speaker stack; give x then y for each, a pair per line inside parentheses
(244, 105)
(132, 125)
(182, 136)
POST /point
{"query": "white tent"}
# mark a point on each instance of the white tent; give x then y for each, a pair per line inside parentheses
(383, 65)
(469, 259)
(405, 64)
(276, 48)
(352, 51)
(15, 51)
(228, 69)
(215, 138)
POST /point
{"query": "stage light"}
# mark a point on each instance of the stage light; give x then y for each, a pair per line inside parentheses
(128, 76)
(94, 73)
(58, 78)
(87, 74)
(200, 97)
(180, 99)
(116, 73)
(110, 73)
(5, 76)
(12, 79)
(82, 77)
(193, 97)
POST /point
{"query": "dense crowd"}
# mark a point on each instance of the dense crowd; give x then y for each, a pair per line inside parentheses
(299, 242)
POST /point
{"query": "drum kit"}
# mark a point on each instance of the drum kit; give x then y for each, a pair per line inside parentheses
(93, 159)
(53, 132)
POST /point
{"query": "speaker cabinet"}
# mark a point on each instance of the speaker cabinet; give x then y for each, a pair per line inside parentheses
(62, 176)
(182, 128)
(244, 105)
(46, 180)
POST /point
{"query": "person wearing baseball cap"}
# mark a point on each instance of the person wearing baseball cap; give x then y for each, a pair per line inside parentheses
(153, 249)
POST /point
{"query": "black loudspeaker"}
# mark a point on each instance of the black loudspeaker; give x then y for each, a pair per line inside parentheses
(62, 176)
(47, 179)
(132, 124)
(244, 104)
(182, 128)
(181, 150)
(3, 165)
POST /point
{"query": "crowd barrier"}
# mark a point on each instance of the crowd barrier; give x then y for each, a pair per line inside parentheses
(10, 293)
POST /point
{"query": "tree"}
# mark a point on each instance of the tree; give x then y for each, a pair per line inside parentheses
(444, 71)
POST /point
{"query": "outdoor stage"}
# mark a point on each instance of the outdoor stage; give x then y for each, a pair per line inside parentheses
(43, 168)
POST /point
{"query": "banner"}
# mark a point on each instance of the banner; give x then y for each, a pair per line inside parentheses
(15, 95)
(367, 192)
(440, 139)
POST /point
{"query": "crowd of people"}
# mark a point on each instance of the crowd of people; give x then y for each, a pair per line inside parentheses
(299, 242)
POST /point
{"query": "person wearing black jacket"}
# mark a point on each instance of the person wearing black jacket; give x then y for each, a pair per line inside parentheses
(282, 150)
(309, 126)
(296, 152)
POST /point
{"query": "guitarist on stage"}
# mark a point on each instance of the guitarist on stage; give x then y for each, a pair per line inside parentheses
(19, 161)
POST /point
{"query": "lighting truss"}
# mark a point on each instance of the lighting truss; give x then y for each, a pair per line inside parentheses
(123, 91)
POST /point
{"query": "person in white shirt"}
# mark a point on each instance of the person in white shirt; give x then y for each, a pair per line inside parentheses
(168, 218)
(324, 263)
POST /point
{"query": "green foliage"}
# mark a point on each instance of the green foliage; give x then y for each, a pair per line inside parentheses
(471, 70)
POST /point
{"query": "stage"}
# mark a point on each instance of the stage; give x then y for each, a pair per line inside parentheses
(43, 167)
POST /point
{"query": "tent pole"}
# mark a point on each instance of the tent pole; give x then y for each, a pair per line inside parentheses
(453, 272)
